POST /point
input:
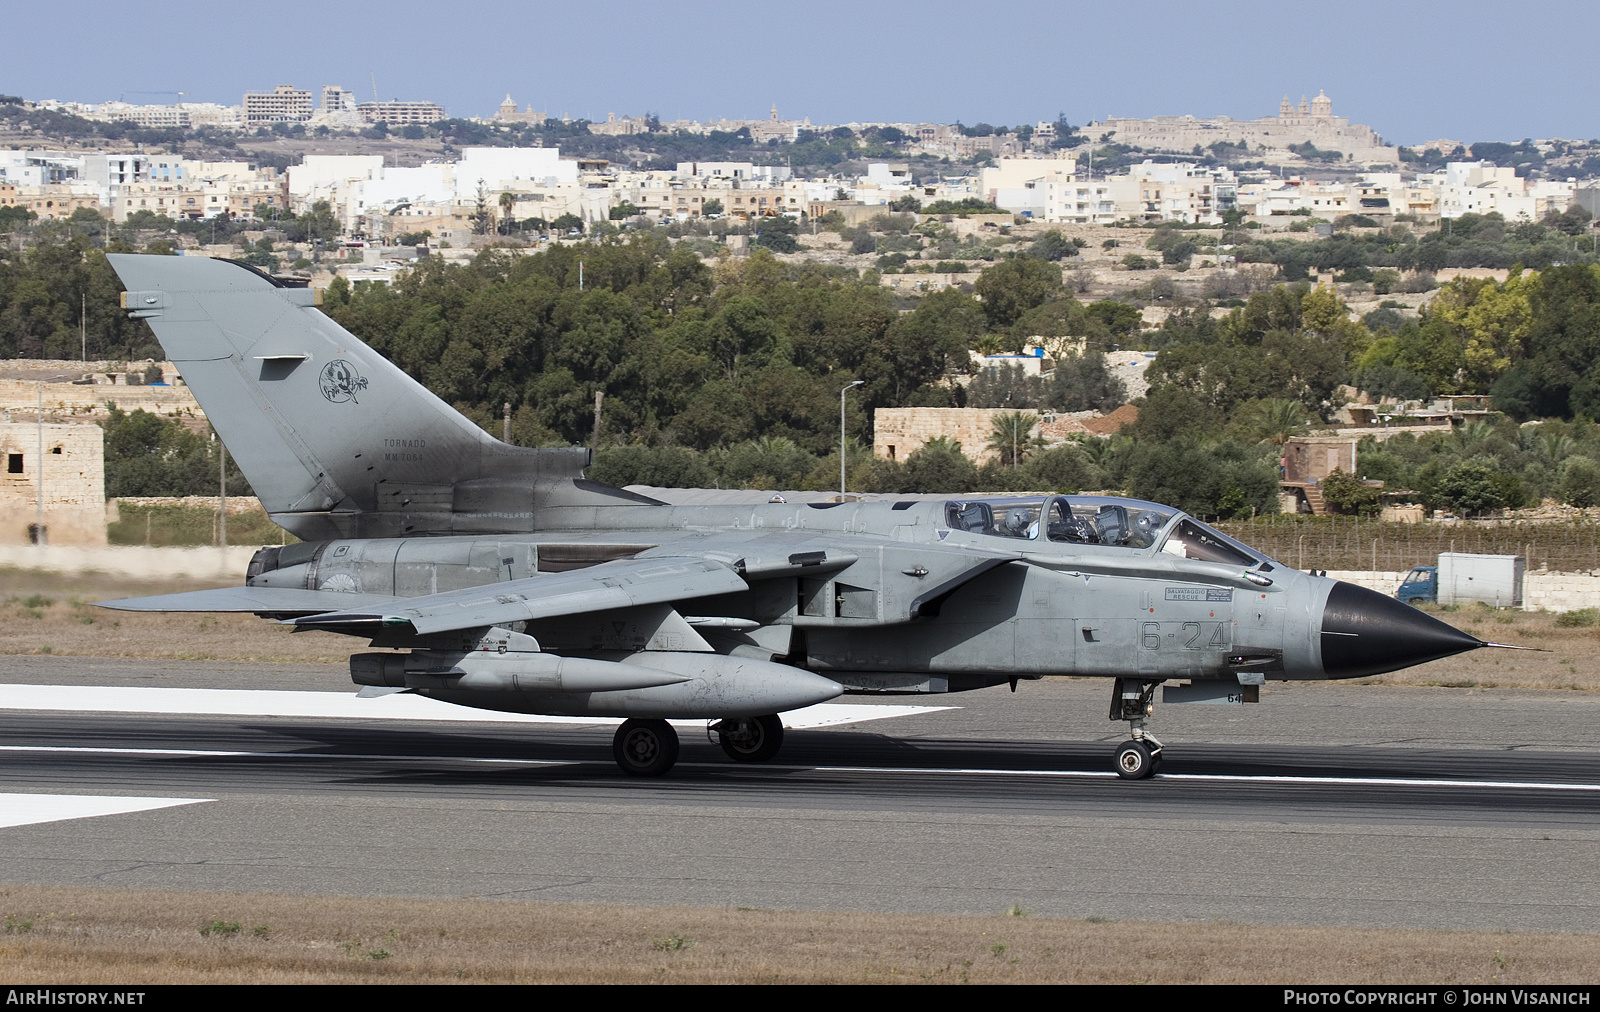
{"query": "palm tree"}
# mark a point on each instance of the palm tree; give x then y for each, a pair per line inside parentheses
(1276, 419)
(1473, 434)
(507, 201)
(1012, 436)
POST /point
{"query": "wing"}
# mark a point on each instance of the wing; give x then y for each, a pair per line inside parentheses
(621, 584)
(281, 601)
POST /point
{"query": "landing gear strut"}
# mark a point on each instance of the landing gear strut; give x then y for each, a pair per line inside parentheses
(645, 748)
(750, 739)
(1140, 756)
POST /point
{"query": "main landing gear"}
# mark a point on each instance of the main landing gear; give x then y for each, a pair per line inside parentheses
(645, 748)
(1140, 756)
(750, 739)
(649, 748)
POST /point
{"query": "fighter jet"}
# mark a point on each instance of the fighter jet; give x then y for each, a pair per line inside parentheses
(499, 577)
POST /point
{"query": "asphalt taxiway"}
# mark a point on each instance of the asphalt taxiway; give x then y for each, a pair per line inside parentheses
(1323, 804)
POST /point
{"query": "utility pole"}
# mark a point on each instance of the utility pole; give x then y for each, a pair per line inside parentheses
(38, 525)
(83, 323)
(594, 444)
(842, 456)
(506, 437)
(222, 496)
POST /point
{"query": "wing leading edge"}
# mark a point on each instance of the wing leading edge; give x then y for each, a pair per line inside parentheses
(284, 601)
(625, 583)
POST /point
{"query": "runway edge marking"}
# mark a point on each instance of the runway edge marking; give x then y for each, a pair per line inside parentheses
(347, 706)
(1230, 778)
(33, 809)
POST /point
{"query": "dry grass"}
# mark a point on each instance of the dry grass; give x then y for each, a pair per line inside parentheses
(98, 936)
(45, 613)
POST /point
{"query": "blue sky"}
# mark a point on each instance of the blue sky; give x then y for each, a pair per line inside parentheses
(1415, 71)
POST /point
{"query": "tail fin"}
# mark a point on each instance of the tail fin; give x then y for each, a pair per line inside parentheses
(336, 440)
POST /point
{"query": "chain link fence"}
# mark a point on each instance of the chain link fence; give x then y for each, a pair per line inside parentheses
(1351, 543)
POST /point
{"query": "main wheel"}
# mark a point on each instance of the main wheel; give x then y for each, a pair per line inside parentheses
(645, 748)
(751, 739)
(1135, 760)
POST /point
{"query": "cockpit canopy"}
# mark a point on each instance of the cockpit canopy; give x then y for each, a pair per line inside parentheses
(1098, 520)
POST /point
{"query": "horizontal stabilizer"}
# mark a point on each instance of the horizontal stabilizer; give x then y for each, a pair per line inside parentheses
(260, 600)
(621, 584)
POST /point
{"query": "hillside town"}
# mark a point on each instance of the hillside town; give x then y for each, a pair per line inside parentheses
(1080, 266)
(1027, 172)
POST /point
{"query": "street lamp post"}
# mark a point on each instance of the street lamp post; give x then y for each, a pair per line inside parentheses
(841, 436)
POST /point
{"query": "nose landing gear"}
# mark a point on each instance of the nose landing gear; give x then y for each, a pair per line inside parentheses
(1140, 756)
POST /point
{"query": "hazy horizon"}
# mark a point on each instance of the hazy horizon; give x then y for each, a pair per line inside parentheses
(1414, 73)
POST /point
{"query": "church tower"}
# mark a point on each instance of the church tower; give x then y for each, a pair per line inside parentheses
(1322, 105)
(1285, 110)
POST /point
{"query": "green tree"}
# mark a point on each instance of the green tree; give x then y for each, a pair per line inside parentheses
(1012, 287)
(1011, 436)
(1085, 383)
(712, 206)
(657, 466)
(1273, 420)
(1206, 479)
(1470, 488)
(940, 466)
(320, 223)
(778, 234)
(1066, 469)
(1349, 494)
(1580, 482)
(147, 455)
(481, 217)
(1052, 246)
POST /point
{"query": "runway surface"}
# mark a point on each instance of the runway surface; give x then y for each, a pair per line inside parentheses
(1323, 804)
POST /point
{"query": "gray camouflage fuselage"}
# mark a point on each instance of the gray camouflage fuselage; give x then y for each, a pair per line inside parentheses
(496, 565)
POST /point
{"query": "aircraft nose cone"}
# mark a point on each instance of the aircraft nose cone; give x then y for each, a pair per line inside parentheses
(1367, 633)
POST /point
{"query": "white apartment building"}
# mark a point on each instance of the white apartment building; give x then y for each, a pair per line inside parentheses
(283, 104)
(398, 113)
(1180, 191)
(203, 190)
(1022, 185)
(337, 99)
(1080, 202)
(733, 170)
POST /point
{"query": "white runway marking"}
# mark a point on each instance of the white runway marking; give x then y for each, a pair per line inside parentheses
(339, 705)
(29, 809)
(1226, 778)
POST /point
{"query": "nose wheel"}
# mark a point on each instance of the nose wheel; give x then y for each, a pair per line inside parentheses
(1137, 760)
(1140, 756)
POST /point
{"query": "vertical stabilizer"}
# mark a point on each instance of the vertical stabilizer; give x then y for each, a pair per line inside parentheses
(336, 440)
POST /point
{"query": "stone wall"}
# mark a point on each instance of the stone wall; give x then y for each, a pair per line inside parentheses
(74, 473)
(224, 566)
(897, 433)
(88, 401)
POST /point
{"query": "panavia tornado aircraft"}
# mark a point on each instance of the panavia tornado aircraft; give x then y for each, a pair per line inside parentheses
(499, 577)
